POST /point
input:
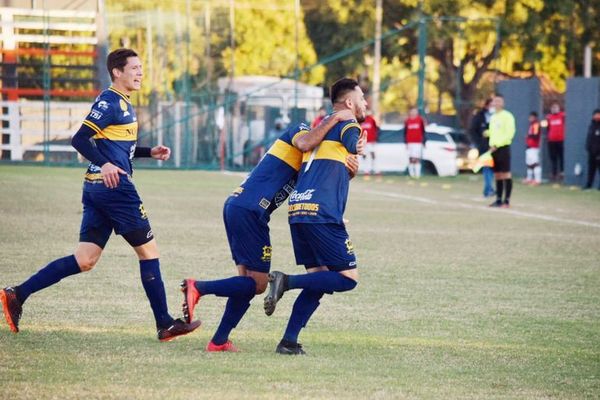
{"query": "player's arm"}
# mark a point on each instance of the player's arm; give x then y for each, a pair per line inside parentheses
(99, 118)
(350, 136)
(307, 141)
(157, 152)
(82, 143)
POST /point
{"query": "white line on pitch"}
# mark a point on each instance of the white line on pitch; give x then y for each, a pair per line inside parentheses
(485, 208)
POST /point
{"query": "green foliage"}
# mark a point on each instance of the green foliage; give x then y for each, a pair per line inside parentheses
(265, 44)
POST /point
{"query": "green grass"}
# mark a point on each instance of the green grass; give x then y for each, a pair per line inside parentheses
(455, 301)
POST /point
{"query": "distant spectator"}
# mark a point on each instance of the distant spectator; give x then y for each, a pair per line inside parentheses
(479, 127)
(556, 141)
(322, 113)
(592, 145)
(414, 128)
(502, 131)
(532, 154)
(369, 125)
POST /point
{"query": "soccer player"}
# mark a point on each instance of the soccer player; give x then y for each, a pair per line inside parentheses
(246, 215)
(414, 126)
(502, 131)
(556, 141)
(316, 210)
(369, 125)
(107, 138)
(532, 153)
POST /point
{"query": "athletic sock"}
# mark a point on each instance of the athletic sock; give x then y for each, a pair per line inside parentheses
(530, 173)
(418, 170)
(508, 184)
(537, 174)
(155, 291)
(304, 306)
(48, 276)
(234, 311)
(322, 281)
(236, 286)
(499, 189)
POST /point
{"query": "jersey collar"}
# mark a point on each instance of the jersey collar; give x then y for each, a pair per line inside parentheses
(123, 95)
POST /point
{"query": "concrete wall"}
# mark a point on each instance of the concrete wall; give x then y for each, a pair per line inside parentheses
(583, 96)
(521, 96)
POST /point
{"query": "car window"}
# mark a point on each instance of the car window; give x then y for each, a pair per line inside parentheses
(390, 136)
(435, 137)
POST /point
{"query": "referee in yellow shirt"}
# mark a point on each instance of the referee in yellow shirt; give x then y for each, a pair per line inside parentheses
(501, 132)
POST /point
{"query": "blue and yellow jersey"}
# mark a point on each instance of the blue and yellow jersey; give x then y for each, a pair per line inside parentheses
(323, 181)
(114, 122)
(273, 179)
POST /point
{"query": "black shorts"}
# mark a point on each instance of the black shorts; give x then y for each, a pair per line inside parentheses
(501, 159)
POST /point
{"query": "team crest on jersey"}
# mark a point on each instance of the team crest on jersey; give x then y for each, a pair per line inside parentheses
(103, 105)
(349, 246)
(123, 106)
(266, 255)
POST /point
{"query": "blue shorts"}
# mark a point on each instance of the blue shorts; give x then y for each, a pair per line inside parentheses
(119, 209)
(327, 245)
(248, 237)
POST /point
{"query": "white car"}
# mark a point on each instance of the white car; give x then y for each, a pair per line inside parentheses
(439, 153)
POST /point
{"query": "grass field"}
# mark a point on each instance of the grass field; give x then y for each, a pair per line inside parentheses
(455, 301)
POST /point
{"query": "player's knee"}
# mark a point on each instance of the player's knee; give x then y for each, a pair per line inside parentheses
(261, 286)
(261, 280)
(86, 262)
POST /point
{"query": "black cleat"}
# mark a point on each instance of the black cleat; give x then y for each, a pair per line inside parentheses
(278, 284)
(12, 308)
(289, 348)
(178, 328)
(496, 204)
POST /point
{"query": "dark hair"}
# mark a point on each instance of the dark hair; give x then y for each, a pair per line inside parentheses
(533, 114)
(498, 95)
(487, 102)
(118, 59)
(596, 111)
(340, 88)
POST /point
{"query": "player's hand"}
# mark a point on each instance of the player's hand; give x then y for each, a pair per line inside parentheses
(362, 143)
(110, 175)
(352, 165)
(160, 153)
(344, 115)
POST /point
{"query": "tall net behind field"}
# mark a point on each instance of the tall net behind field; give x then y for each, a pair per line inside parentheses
(196, 97)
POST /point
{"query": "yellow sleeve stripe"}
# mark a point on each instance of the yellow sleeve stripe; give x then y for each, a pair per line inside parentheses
(350, 125)
(93, 126)
(329, 150)
(286, 153)
(298, 135)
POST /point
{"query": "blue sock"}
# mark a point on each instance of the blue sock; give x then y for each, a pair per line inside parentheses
(155, 291)
(234, 311)
(322, 281)
(236, 286)
(48, 276)
(304, 306)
